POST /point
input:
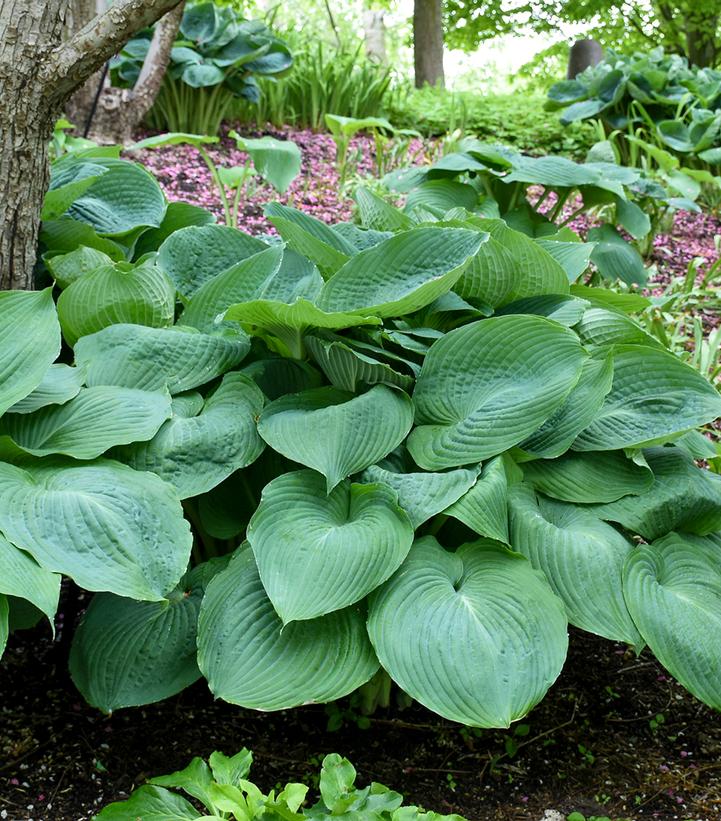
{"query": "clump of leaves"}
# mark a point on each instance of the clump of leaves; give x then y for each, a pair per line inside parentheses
(216, 60)
(222, 787)
(411, 447)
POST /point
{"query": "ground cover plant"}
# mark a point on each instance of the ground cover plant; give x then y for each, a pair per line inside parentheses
(215, 61)
(222, 787)
(348, 444)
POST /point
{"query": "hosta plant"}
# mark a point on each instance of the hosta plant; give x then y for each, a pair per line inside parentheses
(214, 62)
(541, 196)
(653, 96)
(221, 786)
(301, 467)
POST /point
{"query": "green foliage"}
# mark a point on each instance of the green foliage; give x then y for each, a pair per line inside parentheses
(519, 120)
(657, 110)
(318, 459)
(493, 181)
(215, 61)
(221, 785)
(276, 161)
(324, 81)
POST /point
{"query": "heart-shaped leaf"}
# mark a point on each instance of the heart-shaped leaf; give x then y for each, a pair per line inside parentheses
(486, 386)
(318, 552)
(334, 432)
(252, 660)
(476, 635)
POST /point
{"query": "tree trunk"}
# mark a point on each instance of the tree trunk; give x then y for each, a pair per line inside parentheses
(428, 42)
(38, 72)
(120, 111)
(374, 34)
(701, 40)
(584, 53)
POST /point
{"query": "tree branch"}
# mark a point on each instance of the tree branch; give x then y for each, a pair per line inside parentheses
(71, 63)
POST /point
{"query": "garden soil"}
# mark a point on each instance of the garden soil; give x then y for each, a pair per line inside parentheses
(615, 737)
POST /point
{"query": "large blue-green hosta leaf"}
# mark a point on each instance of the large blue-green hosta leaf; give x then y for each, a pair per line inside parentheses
(654, 396)
(125, 198)
(673, 591)
(510, 266)
(58, 386)
(274, 274)
(485, 387)
(205, 442)
(135, 356)
(90, 424)
(194, 255)
(682, 497)
(421, 494)
(103, 524)
(23, 577)
(126, 653)
(401, 274)
(477, 636)
(585, 478)
(334, 432)
(29, 342)
(318, 552)
(582, 558)
(249, 658)
(484, 507)
(116, 293)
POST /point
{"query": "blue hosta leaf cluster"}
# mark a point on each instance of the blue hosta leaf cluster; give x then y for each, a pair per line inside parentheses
(540, 197)
(215, 47)
(653, 94)
(407, 445)
(222, 786)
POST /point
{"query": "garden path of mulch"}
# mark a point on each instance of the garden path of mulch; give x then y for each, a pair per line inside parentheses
(615, 737)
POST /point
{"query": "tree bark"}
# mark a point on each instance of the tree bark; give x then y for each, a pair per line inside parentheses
(120, 111)
(38, 72)
(428, 42)
(374, 35)
(584, 53)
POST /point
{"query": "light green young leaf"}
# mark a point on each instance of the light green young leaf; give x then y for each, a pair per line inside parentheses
(334, 432)
(231, 769)
(477, 635)
(319, 552)
(485, 387)
(277, 161)
(250, 659)
(288, 324)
